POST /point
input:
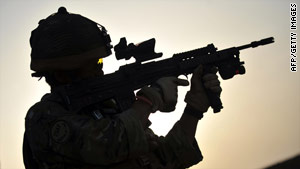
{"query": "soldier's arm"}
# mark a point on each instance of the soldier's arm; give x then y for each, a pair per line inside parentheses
(189, 123)
(197, 100)
(142, 111)
(179, 147)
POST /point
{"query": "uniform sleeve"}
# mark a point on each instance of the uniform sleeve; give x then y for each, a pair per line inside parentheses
(175, 150)
(99, 142)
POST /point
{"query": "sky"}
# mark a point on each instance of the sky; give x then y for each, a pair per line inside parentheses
(260, 122)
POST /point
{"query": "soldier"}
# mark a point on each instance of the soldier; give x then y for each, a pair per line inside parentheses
(66, 48)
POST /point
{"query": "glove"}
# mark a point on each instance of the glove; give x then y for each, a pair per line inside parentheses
(196, 97)
(163, 94)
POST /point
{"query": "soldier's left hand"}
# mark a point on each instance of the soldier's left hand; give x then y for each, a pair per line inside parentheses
(163, 94)
(169, 87)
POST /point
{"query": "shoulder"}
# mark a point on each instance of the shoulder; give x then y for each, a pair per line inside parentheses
(45, 116)
(45, 108)
(44, 119)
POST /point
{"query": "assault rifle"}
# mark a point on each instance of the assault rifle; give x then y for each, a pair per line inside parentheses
(121, 84)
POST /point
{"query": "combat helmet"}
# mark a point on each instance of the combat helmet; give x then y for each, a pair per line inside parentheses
(65, 41)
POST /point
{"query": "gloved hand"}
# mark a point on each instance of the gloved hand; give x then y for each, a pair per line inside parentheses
(197, 97)
(163, 94)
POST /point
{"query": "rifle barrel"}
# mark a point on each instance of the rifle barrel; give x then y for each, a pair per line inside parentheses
(257, 43)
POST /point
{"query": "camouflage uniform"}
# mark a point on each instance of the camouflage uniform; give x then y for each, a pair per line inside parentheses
(98, 137)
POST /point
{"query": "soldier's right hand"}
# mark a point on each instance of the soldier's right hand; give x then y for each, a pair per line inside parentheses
(163, 94)
(197, 97)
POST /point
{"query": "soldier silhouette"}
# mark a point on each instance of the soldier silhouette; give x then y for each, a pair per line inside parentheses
(66, 48)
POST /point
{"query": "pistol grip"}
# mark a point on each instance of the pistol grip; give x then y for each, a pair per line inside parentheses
(215, 101)
(214, 98)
